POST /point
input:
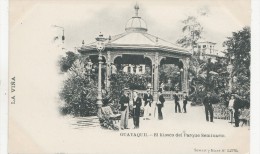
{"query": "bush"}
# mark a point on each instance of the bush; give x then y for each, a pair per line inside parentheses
(79, 92)
(66, 62)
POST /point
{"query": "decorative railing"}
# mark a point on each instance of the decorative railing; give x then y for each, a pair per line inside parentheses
(168, 95)
(221, 112)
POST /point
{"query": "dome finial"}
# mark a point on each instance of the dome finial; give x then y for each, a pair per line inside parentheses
(136, 9)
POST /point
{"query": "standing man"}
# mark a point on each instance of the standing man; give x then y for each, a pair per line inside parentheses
(208, 107)
(177, 102)
(137, 103)
(231, 107)
(148, 100)
(185, 101)
(237, 106)
(124, 101)
(160, 104)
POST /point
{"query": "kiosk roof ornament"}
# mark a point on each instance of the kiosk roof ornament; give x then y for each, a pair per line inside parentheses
(136, 23)
(136, 9)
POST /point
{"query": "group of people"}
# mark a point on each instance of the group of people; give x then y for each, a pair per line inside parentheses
(239, 109)
(150, 106)
(235, 104)
(137, 106)
(177, 103)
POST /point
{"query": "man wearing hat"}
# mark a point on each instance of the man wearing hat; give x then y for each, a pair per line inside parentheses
(124, 101)
(231, 107)
(148, 100)
(160, 104)
(185, 101)
(237, 106)
(177, 102)
(208, 107)
(137, 103)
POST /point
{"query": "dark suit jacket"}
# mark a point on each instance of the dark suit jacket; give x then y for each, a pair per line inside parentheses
(138, 104)
(146, 98)
(161, 99)
(185, 101)
(124, 100)
(207, 101)
(238, 103)
(176, 98)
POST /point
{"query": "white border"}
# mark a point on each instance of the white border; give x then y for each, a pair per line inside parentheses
(4, 76)
(255, 82)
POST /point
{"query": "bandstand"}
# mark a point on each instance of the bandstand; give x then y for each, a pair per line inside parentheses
(136, 46)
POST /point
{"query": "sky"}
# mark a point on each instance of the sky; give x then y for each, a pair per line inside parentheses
(84, 20)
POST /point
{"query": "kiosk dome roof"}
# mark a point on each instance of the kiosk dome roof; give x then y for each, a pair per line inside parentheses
(136, 23)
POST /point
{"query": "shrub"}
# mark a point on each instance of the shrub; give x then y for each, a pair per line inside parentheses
(79, 92)
(66, 62)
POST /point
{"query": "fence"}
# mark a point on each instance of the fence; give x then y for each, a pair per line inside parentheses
(168, 95)
(221, 112)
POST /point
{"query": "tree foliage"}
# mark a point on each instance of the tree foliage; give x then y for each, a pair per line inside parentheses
(169, 71)
(67, 61)
(192, 31)
(238, 51)
(122, 80)
(204, 75)
(79, 92)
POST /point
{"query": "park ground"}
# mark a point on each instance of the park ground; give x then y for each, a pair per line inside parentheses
(179, 132)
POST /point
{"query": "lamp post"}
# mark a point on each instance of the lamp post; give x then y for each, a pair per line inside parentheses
(208, 74)
(181, 70)
(230, 70)
(100, 46)
(89, 68)
(62, 28)
(60, 45)
(149, 86)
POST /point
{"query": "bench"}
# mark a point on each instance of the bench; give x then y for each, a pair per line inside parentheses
(245, 117)
(108, 113)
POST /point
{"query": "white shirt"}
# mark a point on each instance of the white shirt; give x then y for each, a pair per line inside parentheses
(231, 103)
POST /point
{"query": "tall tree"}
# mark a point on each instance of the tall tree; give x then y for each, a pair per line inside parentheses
(192, 31)
(238, 50)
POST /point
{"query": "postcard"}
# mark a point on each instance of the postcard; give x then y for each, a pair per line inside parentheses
(124, 77)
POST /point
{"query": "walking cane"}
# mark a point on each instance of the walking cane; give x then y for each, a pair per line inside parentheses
(133, 112)
(154, 111)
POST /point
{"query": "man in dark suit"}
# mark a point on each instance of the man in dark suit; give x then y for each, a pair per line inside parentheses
(124, 101)
(160, 104)
(177, 102)
(208, 107)
(148, 100)
(237, 106)
(137, 103)
(185, 101)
